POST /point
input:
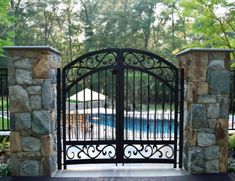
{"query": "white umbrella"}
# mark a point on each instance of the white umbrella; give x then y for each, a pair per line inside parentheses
(89, 95)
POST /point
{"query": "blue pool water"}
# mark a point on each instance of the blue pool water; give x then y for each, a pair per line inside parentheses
(135, 124)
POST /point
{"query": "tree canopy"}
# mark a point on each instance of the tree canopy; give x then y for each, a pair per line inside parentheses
(75, 27)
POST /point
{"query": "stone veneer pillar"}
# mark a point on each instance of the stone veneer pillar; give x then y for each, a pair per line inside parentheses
(32, 96)
(206, 106)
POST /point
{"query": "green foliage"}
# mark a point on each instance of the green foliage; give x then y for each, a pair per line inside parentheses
(231, 142)
(231, 165)
(4, 123)
(4, 145)
(4, 170)
(3, 104)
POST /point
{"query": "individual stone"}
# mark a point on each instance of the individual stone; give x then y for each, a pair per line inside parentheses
(41, 122)
(24, 63)
(41, 67)
(223, 159)
(212, 166)
(23, 77)
(34, 90)
(15, 141)
(14, 165)
(37, 82)
(53, 76)
(212, 152)
(206, 130)
(213, 111)
(196, 161)
(224, 106)
(212, 123)
(46, 94)
(29, 155)
(29, 168)
(219, 81)
(221, 132)
(216, 64)
(19, 101)
(206, 139)
(47, 166)
(11, 72)
(202, 88)
(47, 149)
(31, 144)
(206, 99)
(22, 121)
(36, 102)
(198, 116)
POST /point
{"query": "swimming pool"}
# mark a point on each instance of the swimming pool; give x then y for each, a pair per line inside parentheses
(139, 123)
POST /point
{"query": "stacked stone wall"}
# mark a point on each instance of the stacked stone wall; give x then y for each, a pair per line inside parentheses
(207, 87)
(32, 96)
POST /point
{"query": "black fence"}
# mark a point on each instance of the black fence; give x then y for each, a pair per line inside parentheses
(232, 101)
(4, 106)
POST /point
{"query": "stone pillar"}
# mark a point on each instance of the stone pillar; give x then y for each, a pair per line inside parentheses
(32, 99)
(206, 106)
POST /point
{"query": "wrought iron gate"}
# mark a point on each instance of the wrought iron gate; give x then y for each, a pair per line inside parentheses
(119, 106)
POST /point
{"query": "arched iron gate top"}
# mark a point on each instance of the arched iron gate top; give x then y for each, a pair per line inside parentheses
(129, 58)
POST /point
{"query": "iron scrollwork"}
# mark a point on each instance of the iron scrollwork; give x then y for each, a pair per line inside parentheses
(148, 151)
(89, 63)
(152, 64)
(90, 151)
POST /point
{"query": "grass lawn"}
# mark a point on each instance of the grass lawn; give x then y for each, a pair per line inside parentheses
(4, 124)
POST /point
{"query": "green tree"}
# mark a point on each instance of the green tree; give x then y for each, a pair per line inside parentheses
(6, 21)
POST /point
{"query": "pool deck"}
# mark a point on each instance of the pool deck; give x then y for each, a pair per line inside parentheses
(202, 177)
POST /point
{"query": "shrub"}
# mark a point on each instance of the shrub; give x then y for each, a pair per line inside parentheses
(231, 142)
(4, 170)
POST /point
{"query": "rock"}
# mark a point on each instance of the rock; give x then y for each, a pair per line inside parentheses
(24, 63)
(37, 81)
(41, 122)
(207, 99)
(11, 72)
(31, 144)
(224, 106)
(14, 165)
(212, 123)
(221, 132)
(206, 139)
(22, 121)
(219, 81)
(48, 166)
(47, 146)
(203, 88)
(34, 90)
(19, 101)
(23, 77)
(29, 168)
(41, 67)
(198, 117)
(223, 159)
(212, 152)
(36, 103)
(196, 162)
(29, 155)
(213, 111)
(46, 94)
(216, 64)
(15, 141)
(53, 75)
(212, 166)
(206, 130)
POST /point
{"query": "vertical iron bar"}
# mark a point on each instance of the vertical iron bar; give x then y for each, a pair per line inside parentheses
(7, 93)
(58, 118)
(64, 116)
(176, 101)
(134, 105)
(84, 109)
(155, 109)
(77, 115)
(2, 96)
(112, 84)
(105, 104)
(69, 120)
(126, 120)
(181, 130)
(163, 110)
(141, 77)
(91, 119)
(148, 124)
(99, 118)
(120, 106)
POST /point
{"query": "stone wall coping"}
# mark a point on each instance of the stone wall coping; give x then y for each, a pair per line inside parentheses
(48, 48)
(203, 50)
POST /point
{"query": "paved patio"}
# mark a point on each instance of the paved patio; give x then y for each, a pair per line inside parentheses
(203, 177)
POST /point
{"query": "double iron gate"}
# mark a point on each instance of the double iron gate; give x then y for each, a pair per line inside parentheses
(119, 106)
